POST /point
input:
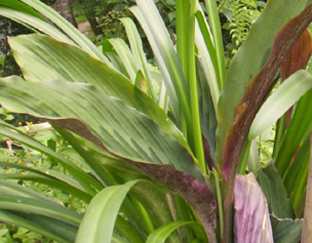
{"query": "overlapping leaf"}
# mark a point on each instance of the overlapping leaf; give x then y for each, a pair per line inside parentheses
(251, 57)
(123, 130)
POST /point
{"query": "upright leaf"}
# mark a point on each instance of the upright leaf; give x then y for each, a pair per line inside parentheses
(251, 57)
(259, 89)
(147, 14)
(98, 223)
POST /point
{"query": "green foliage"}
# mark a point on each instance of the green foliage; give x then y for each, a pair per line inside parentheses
(136, 148)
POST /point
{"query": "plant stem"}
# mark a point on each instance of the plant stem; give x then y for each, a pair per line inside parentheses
(245, 157)
(219, 202)
(228, 196)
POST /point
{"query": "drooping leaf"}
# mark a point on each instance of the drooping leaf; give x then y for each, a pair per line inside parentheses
(39, 207)
(54, 229)
(89, 184)
(36, 23)
(64, 62)
(48, 177)
(19, 6)
(27, 208)
(114, 171)
(252, 218)
(45, 11)
(125, 132)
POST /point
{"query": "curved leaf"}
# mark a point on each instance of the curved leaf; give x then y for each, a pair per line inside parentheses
(63, 25)
(89, 184)
(31, 21)
(48, 177)
(44, 59)
(161, 234)
(259, 89)
(54, 229)
(250, 58)
(282, 99)
(121, 129)
(39, 207)
(98, 223)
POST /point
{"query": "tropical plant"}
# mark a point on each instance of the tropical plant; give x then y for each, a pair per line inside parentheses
(163, 151)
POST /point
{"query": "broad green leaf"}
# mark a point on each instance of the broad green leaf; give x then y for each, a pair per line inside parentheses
(43, 59)
(286, 230)
(111, 171)
(143, 196)
(282, 99)
(251, 56)
(121, 129)
(161, 234)
(51, 228)
(97, 225)
(272, 185)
